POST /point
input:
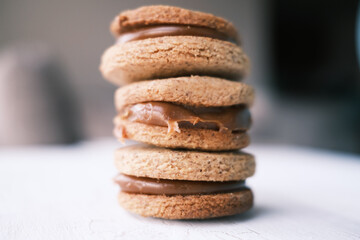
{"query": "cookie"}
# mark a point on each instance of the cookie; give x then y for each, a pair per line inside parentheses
(198, 91)
(169, 15)
(201, 139)
(173, 56)
(161, 163)
(188, 206)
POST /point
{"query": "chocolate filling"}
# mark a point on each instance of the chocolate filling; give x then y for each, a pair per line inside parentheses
(173, 30)
(174, 117)
(143, 185)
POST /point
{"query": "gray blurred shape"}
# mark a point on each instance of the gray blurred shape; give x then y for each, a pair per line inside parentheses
(36, 104)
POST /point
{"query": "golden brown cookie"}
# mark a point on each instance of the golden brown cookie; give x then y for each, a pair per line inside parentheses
(184, 92)
(201, 139)
(198, 91)
(168, 15)
(173, 56)
(162, 163)
(189, 206)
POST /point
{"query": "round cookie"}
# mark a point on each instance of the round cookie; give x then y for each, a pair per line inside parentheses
(162, 163)
(189, 206)
(169, 15)
(197, 91)
(201, 139)
(173, 56)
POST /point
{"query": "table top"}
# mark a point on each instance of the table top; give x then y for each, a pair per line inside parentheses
(58, 192)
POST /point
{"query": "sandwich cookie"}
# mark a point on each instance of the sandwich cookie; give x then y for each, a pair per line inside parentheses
(162, 41)
(194, 112)
(182, 184)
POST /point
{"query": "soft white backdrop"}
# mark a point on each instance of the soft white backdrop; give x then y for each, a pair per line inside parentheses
(67, 193)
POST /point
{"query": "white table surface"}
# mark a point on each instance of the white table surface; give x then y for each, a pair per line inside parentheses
(67, 193)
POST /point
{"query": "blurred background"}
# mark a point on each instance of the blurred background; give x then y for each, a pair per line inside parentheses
(304, 68)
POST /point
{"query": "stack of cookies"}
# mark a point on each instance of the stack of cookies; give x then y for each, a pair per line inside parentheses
(182, 101)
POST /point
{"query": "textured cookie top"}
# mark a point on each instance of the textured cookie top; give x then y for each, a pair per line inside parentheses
(169, 15)
(198, 91)
(162, 163)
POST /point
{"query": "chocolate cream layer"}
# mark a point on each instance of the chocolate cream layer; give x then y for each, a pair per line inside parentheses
(142, 185)
(174, 117)
(173, 30)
